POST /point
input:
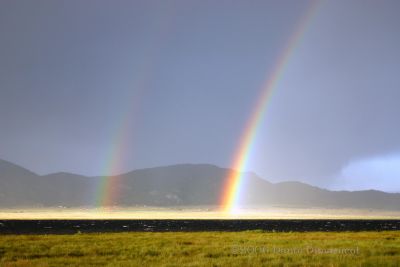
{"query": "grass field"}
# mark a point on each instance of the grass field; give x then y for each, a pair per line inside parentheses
(253, 248)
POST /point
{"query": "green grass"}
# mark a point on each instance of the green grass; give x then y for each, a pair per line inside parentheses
(253, 248)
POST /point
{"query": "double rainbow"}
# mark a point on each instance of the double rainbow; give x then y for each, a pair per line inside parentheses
(234, 178)
(108, 188)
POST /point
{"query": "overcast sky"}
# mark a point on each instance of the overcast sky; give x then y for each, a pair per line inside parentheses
(150, 83)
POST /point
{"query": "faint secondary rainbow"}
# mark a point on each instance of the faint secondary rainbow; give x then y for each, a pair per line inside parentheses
(234, 178)
(109, 186)
(108, 189)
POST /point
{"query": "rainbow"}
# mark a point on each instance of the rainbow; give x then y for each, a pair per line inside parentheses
(108, 188)
(234, 179)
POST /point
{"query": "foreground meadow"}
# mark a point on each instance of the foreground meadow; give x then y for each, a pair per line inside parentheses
(253, 248)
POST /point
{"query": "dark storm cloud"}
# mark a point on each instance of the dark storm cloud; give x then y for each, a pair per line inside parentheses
(179, 79)
(337, 102)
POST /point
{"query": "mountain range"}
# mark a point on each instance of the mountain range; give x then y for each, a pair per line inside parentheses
(178, 185)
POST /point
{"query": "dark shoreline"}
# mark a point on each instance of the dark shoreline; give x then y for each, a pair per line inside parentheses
(192, 225)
